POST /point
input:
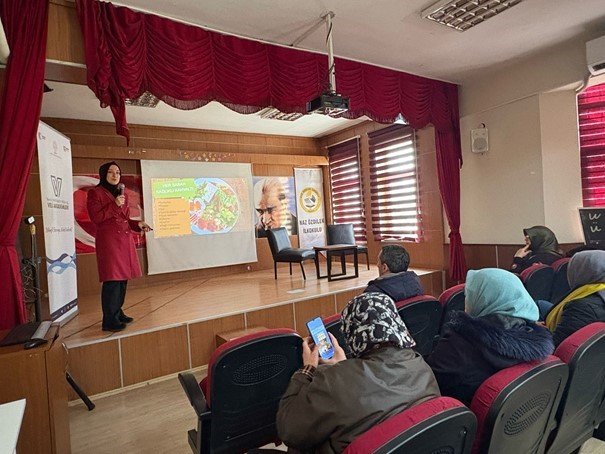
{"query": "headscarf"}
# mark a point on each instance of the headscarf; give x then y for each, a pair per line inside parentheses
(103, 170)
(542, 240)
(586, 276)
(586, 267)
(371, 319)
(494, 291)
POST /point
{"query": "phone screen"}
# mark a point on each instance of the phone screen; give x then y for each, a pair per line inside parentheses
(321, 338)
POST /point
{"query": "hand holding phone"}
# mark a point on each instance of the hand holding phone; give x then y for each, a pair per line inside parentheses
(321, 338)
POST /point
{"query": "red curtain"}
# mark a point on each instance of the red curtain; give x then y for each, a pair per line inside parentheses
(129, 53)
(25, 24)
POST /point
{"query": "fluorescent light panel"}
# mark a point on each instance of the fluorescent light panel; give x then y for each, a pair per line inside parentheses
(462, 15)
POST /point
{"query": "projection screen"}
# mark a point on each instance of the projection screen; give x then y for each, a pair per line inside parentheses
(201, 215)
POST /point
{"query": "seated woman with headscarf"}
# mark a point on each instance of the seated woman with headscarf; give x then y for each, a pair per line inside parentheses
(541, 246)
(327, 407)
(497, 330)
(586, 302)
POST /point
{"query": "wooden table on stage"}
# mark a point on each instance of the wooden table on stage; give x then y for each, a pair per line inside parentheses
(221, 338)
(339, 250)
(38, 376)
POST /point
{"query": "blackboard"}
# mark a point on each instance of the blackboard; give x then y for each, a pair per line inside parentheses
(593, 224)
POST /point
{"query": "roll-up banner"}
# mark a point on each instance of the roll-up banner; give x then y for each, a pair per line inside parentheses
(310, 207)
(56, 187)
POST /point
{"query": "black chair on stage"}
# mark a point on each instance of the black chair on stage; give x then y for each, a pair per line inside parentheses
(439, 425)
(282, 250)
(236, 404)
(344, 234)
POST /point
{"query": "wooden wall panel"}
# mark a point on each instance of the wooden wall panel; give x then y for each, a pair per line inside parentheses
(154, 354)
(309, 309)
(343, 298)
(202, 336)
(95, 367)
(274, 317)
(64, 41)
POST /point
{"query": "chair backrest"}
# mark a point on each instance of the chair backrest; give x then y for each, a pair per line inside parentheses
(560, 284)
(246, 380)
(422, 315)
(333, 324)
(538, 280)
(340, 234)
(439, 425)
(278, 240)
(451, 300)
(577, 417)
(516, 407)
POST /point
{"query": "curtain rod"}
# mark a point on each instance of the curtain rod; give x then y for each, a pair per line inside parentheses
(266, 41)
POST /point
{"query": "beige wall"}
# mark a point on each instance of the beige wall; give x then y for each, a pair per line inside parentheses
(561, 164)
(501, 190)
(531, 174)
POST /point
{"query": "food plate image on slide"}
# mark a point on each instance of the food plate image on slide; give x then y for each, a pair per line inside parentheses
(200, 206)
(215, 209)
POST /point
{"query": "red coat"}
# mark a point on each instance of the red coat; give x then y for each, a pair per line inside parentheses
(116, 255)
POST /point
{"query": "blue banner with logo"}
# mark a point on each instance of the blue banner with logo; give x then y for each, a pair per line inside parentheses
(310, 207)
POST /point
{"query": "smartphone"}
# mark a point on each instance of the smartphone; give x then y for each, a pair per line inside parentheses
(321, 337)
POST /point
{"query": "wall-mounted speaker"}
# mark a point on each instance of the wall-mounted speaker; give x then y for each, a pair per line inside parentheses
(479, 140)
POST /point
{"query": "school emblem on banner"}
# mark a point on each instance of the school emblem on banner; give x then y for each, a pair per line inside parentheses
(310, 203)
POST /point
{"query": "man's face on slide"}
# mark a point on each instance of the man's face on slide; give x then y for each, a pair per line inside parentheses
(270, 210)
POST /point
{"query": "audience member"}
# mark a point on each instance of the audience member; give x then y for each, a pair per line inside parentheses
(394, 279)
(586, 303)
(326, 407)
(541, 246)
(496, 331)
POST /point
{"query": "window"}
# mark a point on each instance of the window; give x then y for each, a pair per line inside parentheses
(591, 112)
(345, 183)
(393, 184)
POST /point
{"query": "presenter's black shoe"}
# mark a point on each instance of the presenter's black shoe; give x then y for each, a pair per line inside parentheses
(125, 318)
(114, 328)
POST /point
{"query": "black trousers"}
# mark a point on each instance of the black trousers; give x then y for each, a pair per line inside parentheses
(112, 299)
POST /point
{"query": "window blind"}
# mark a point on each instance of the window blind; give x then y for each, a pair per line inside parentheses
(591, 112)
(345, 183)
(393, 184)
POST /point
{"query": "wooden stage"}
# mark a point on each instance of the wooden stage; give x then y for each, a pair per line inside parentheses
(176, 324)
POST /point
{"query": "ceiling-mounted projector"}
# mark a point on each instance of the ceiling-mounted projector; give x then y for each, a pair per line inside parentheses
(331, 104)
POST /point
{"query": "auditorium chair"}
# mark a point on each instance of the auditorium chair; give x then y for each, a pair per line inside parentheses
(516, 407)
(439, 425)
(237, 403)
(333, 325)
(560, 284)
(344, 234)
(422, 315)
(577, 416)
(451, 300)
(282, 250)
(538, 280)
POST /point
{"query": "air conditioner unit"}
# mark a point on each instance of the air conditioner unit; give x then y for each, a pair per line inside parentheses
(4, 51)
(595, 56)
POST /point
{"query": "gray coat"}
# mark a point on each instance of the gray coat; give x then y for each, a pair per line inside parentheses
(342, 401)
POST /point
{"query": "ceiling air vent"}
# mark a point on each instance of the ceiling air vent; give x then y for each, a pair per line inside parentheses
(145, 100)
(271, 113)
(464, 14)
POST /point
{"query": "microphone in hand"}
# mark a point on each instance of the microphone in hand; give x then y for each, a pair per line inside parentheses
(120, 199)
(121, 188)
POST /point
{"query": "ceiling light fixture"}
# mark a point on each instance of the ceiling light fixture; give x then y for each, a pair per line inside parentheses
(462, 15)
(145, 100)
(271, 113)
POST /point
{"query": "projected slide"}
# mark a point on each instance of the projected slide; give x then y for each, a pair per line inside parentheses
(201, 213)
(196, 206)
